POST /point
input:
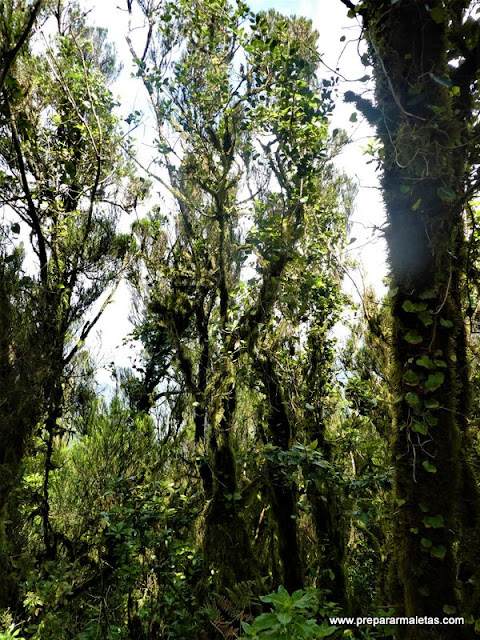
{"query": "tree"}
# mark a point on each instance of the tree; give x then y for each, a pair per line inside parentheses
(243, 143)
(426, 66)
(63, 181)
(21, 369)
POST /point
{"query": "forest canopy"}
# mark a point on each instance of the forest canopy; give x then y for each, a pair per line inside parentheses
(249, 475)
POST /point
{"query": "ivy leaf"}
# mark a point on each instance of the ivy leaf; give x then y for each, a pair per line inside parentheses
(412, 399)
(425, 318)
(434, 522)
(425, 361)
(413, 337)
(411, 307)
(448, 324)
(432, 403)
(438, 552)
(430, 419)
(418, 427)
(428, 466)
(425, 542)
(434, 381)
(428, 294)
(411, 378)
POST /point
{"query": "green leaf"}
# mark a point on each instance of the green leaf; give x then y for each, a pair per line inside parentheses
(392, 292)
(429, 294)
(438, 551)
(437, 14)
(434, 380)
(416, 205)
(425, 361)
(446, 323)
(15, 228)
(70, 168)
(432, 403)
(430, 419)
(265, 621)
(446, 194)
(413, 337)
(428, 466)
(425, 542)
(284, 618)
(405, 188)
(353, 117)
(411, 378)
(443, 81)
(425, 318)
(448, 608)
(412, 399)
(418, 427)
(247, 628)
(438, 111)
(434, 522)
(412, 307)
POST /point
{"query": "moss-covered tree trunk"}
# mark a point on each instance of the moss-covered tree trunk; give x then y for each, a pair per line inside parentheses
(327, 515)
(424, 115)
(227, 546)
(282, 489)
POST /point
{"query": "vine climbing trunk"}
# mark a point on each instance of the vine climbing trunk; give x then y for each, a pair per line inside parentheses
(424, 115)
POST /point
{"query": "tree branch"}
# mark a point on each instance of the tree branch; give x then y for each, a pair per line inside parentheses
(10, 56)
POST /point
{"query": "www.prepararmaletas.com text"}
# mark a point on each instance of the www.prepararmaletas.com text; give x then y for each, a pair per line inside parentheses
(396, 620)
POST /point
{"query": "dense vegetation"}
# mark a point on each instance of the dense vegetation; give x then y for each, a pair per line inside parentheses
(247, 477)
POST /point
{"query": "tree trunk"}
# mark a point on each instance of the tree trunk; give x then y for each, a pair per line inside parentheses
(327, 513)
(283, 490)
(227, 546)
(423, 122)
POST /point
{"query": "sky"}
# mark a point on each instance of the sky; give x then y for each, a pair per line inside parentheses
(339, 48)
